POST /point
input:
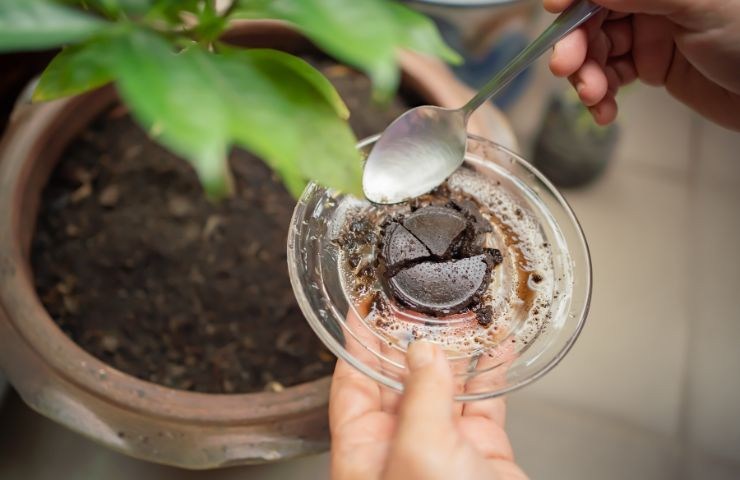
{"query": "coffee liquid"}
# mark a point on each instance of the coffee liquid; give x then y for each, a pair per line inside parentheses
(516, 296)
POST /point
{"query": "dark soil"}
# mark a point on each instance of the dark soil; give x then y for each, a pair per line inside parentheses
(140, 270)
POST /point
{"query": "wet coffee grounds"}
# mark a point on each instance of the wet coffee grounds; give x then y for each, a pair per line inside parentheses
(433, 260)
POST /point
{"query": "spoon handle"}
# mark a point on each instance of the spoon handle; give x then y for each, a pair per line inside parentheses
(566, 22)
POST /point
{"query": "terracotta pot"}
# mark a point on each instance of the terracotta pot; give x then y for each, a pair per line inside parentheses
(60, 380)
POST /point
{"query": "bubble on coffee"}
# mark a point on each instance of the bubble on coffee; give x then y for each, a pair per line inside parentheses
(466, 266)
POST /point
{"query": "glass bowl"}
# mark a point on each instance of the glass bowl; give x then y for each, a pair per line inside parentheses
(532, 331)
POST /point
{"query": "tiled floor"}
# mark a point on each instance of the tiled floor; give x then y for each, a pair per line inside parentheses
(651, 390)
(713, 390)
(629, 361)
(556, 441)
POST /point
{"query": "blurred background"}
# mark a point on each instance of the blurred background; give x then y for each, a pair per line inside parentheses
(651, 389)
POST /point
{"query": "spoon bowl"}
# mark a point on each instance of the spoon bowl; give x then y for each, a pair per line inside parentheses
(420, 147)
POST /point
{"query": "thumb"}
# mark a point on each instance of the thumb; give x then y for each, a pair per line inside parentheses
(426, 408)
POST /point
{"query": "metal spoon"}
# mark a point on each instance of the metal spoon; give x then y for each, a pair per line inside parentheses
(422, 147)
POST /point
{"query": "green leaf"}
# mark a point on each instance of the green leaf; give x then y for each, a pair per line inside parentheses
(298, 66)
(40, 24)
(417, 32)
(172, 96)
(171, 10)
(360, 33)
(282, 118)
(210, 23)
(76, 69)
(199, 104)
(365, 34)
(114, 8)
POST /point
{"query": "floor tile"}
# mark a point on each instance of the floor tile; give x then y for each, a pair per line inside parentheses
(654, 129)
(718, 152)
(554, 442)
(629, 361)
(706, 467)
(714, 382)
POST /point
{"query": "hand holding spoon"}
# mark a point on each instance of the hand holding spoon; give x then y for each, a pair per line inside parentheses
(422, 147)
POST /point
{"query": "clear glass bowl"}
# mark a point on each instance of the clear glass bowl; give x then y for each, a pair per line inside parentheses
(530, 344)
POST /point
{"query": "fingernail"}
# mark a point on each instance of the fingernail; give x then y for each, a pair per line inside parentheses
(579, 87)
(420, 354)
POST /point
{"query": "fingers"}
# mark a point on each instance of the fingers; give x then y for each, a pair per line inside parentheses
(556, 6)
(487, 437)
(425, 434)
(490, 377)
(352, 395)
(426, 408)
(596, 60)
(569, 53)
(612, 80)
(604, 112)
(653, 48)
(590, 82)
(389, 398)
(619, 33)
(618, 71)
(624, 68)
(654, 7)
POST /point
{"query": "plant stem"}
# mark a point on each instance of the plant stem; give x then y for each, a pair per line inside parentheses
(230, 9)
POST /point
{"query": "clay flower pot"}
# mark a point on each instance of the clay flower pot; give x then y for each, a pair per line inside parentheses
(60, 380)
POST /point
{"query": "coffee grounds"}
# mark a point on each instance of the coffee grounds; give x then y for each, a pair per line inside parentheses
(433, 260)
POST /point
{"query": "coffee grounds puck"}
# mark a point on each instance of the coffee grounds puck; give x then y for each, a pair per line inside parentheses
(402, 247)
(434, 261)
(441, 287)
(436, 227)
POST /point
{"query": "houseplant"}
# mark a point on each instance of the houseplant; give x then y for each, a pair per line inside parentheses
(141, 418)
(165, 59)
